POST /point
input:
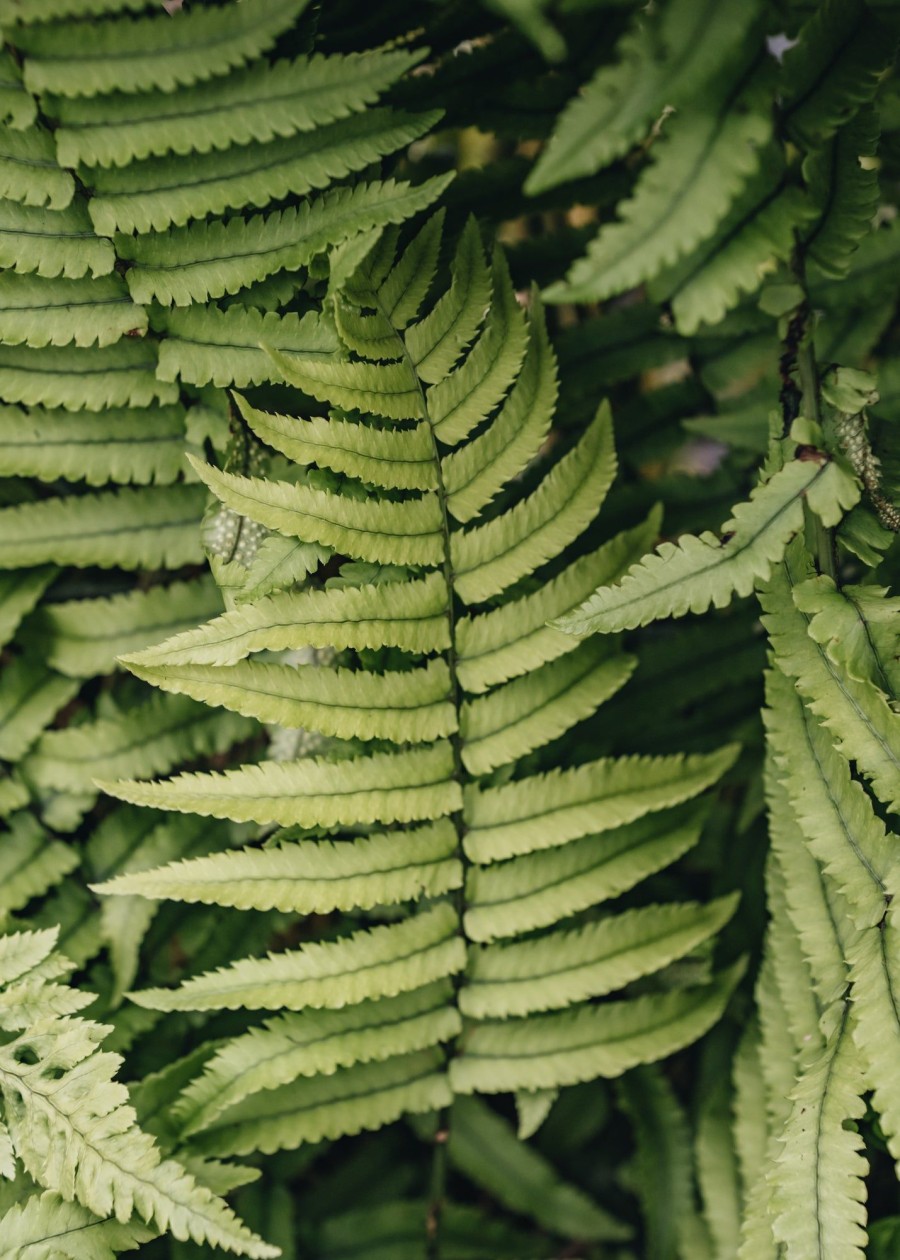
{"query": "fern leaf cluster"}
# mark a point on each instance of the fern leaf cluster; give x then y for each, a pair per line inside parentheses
(360, 762)
(824, 996)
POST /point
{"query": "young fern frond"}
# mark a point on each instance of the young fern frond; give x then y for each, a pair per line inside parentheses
(70, 1124)
(482, 688)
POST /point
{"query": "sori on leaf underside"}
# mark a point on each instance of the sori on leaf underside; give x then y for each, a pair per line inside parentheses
(475, 941)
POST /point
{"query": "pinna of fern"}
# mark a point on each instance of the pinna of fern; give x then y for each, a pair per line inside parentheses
(476, 942)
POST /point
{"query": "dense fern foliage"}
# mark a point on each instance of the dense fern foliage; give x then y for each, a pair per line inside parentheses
(448, 593)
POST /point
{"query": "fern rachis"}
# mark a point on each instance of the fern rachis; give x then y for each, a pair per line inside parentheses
(442, 783)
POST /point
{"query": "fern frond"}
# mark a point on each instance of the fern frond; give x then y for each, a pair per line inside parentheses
(313, 1044)
(809, 968)
(18, 108)
(204, 345)
(171, 729)
(497, 688)
(65, 1110)
(32, 694)
(852, 625)
(702, 163)
(492, 557)
(864, 732)
(378, 530)
(476, 472)
(759, 231)
(467, 395)
(393, 459)
(436, 342)
(845, 193)
(381, 962)
(408, 707)
(658, 63)
(872, 964)
(387, 390)
(312, 877)
(696, 572)
(835, 67)
(399, 295)
(526, 714)
(13, 795)
(564, 967)
(351, 1100)
(84, 58)
(70, 1124)
(12, 12)
(19, 592)
(515, 638)
(409, 615)
(38, 312)
(44, 1225)
(822, 1160)
(551, 809)
(30, 864)
(832, 809)
(121, 375)
(384, 787)
(29, 172)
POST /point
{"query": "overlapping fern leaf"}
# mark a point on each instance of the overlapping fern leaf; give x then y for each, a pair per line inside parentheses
(474, 940)
(814, 538)
(718, 204)
(119, 121)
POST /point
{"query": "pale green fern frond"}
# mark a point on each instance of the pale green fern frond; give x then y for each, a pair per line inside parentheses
(70, 1125)
(45, 1226)
(700, 166)
(52, 242)
(439, 419)
(83, 637)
